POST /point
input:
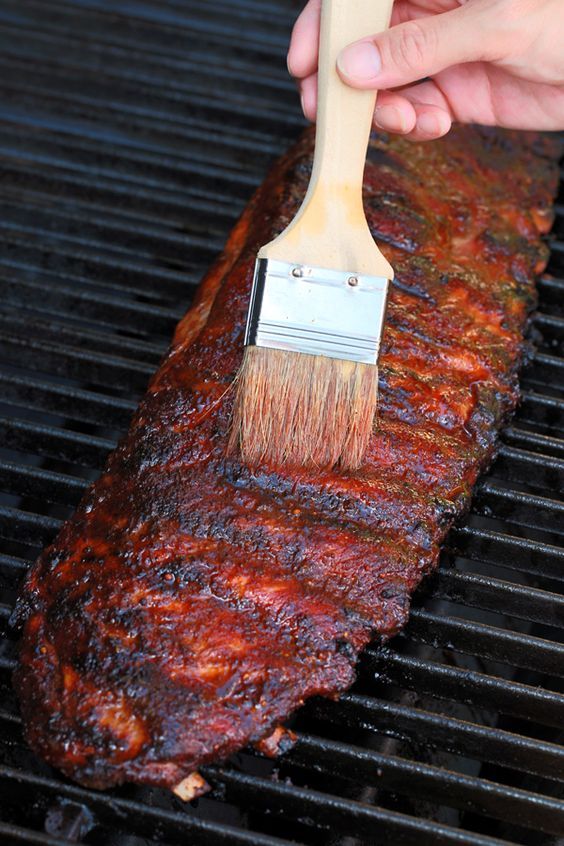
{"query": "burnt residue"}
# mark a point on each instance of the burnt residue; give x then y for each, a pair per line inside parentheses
(192, 604)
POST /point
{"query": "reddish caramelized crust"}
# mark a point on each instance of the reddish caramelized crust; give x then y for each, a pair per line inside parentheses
(191, 604)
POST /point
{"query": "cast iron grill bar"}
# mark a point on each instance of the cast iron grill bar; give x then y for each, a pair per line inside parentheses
(120, 175)
(543, 707)
(429, 782)
(136, 240)
(10, 561)
(107, 311)
(523, 509)
(514, 435)
(525, 602)
(143, 85)
(74, 363)
(142, 67)
(147, 171)
(38, 483)
(520, 465)
(111, 195)
(340, 815)
(460, 737)
(508, 551)
(159, 144)
(160, 150)
(148, 293)
(110, 208)
(325, 811)
(485, 641)
(67, 401)
(112, 226)
(164, 136)
(26, 527)
(89, 341)
(140, 278)
(541, 410)
(31, 89)
(545, 370)
(39, 438)
(550, 284)
(140, 238)
(220, 31)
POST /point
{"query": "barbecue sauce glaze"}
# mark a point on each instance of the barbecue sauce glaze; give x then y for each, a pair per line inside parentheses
(191, 604)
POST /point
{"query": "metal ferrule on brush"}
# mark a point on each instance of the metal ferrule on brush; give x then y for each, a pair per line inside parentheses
(312, 310)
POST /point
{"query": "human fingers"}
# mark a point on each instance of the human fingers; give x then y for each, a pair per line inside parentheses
(433, 112)
(419, 112)
(308, 95)
(304, 43)
(422, 47)
(418, 121)
(431, 122)
(394, 113)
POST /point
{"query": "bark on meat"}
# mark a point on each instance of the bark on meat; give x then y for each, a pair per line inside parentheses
(191, 604)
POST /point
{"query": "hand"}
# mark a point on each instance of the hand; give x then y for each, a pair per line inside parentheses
(496, 62)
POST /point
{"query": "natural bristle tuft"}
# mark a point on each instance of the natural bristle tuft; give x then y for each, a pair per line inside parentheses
(303, 410)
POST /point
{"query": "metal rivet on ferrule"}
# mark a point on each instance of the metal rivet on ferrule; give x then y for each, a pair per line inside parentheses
(297, 271)
(353, 281)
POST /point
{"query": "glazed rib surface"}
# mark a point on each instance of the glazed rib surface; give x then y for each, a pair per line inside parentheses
(192, 604)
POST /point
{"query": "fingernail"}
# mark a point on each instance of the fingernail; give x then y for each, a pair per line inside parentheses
(303, 104)
(432, 125)
(360, 62)
(390, 119)
(428, 124)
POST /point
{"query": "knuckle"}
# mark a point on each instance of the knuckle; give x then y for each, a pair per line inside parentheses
(413, 47)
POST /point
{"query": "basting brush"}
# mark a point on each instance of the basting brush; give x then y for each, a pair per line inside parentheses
(307, 389)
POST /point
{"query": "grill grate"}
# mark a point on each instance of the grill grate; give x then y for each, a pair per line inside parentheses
(131, 134)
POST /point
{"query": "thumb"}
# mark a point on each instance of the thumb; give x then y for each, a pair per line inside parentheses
(411, 51)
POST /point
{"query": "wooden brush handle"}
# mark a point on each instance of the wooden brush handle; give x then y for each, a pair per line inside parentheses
(330, 229)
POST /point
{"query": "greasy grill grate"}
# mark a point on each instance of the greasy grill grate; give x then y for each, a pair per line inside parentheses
(131, 134)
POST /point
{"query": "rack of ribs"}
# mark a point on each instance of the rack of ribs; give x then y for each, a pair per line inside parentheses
(191, 604)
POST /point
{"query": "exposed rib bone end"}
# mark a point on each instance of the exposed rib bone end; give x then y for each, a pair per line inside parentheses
(191, 787)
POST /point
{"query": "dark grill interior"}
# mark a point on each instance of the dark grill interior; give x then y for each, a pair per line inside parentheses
(131, 134)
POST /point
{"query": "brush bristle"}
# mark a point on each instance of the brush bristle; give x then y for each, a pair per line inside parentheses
(303, 410)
